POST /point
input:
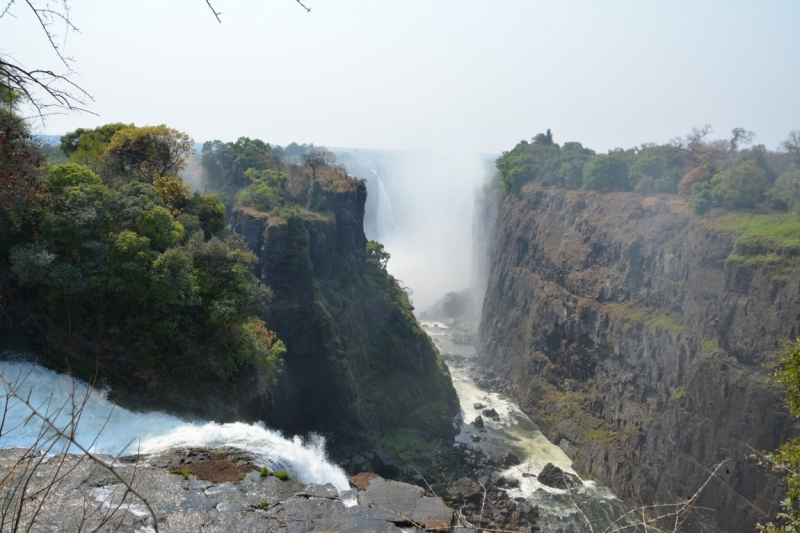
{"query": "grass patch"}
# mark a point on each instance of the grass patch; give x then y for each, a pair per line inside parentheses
(644, 316)
(182, 471)
(600, 434)
(709, 345)
(264, 471)
(767, 242)
(263, 505)
(283, 475)
(678, 394)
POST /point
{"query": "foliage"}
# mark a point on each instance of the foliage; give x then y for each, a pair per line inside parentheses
(283, 475)
(722, 174)
(111, 261)
(785, 461)
(260, 196)
(785, 193)
(377, 255)
(264, 472)
(210, 212)
(740, 187)
(226, 164)
(606, 173)
(86, 146)
(145, 154)
(21, 191)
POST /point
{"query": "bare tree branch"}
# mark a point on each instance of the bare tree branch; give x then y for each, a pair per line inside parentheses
(216, 13)
(308, 9)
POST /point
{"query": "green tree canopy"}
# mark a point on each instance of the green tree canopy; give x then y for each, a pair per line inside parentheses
(606, 173)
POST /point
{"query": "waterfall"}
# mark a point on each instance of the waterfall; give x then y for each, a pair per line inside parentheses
(108, 429)
(386, 222)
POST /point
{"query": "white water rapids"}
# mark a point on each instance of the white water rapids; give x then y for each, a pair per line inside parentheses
(516, 433)
(107, 429)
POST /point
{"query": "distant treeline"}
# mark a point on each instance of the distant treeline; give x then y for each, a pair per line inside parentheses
(724, 174)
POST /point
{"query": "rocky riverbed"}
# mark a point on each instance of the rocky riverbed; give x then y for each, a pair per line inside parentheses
(202, 490)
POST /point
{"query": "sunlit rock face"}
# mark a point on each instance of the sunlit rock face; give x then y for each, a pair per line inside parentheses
(637, 348)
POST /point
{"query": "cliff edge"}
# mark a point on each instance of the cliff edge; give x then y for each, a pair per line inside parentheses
(358, 366)
(635, 336)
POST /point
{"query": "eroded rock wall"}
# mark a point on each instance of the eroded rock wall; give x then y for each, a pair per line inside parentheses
(358, 364)
(636, 350)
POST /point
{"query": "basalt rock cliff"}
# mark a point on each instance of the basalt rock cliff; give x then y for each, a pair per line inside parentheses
(358, 365)
(637, 344)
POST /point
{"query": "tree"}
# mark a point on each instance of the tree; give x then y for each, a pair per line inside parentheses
(86, 147)
(21, 192)
(740, 136)
(740, 187)
(160, 227)
(314, 159)
(606, 173)
(146, 153)
(45, 90)
(792, 145)
(544, 138)
(211, 213)
(377, 255)
(786, 191)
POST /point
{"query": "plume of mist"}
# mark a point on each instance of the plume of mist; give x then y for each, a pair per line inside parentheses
(431, 197)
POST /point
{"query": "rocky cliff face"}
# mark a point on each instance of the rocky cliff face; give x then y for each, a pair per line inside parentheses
(358, 365)
(637, 348)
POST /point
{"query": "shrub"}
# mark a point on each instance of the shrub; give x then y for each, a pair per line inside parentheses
(740, 187)
(264, 471)
(260, 196)
(283, 475)
(696, 175)
(606, 173)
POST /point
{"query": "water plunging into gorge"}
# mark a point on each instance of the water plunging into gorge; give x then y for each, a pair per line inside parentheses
(104, 428)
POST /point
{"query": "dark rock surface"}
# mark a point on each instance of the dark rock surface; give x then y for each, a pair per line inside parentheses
(553, 476)
(636, 348)
(357, 363)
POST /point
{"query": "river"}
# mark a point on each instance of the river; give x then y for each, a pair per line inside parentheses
(108, 429)
(516, 433)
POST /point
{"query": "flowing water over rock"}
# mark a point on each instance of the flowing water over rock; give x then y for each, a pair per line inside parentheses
(511, 431)
(108, 429)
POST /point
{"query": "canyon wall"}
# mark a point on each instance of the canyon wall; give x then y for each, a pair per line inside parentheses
(638, 346)
(358, 366)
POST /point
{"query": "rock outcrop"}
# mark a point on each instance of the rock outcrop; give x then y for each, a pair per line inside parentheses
(358, 364)
(88, 497)
(636, 346)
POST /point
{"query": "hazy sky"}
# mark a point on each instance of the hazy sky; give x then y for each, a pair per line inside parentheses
(475, 76)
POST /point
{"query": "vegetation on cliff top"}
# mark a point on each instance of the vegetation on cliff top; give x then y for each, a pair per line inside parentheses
(111, 253)
(753, 193)
(714, 174)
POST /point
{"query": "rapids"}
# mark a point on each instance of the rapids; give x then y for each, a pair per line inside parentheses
(108, 429)
(516, 433)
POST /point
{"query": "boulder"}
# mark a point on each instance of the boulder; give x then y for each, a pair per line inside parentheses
(478, 406)
(478, 422)
(490, 413)
(466, 490)
(552, 476)
(511, 460)
(404, 505)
